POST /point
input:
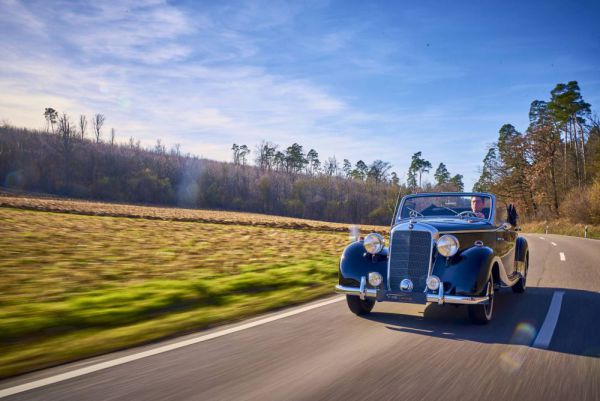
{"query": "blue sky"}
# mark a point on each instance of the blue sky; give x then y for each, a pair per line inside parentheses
(354, 79)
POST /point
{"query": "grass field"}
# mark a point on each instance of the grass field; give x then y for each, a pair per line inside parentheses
(78, 285)
(562, 227)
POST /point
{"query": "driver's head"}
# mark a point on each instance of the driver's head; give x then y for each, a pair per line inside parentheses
(477, 203)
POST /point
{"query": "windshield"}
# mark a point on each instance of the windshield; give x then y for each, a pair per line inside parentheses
(459, 206)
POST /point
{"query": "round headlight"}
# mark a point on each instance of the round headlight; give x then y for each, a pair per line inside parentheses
(373, 243)
(447, 245)
(433, 283)
(375, 279)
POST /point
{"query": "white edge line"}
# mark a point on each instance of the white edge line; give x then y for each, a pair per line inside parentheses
(545, 335)
(134, 357)
(562, 256)
(553, 243)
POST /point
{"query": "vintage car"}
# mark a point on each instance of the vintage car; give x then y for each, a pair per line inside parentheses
(445, 248)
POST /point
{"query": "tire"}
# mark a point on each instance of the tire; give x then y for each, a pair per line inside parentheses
(521, 285)
(482, 314)
(358, 306)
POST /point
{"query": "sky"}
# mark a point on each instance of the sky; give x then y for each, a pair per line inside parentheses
(351, 79)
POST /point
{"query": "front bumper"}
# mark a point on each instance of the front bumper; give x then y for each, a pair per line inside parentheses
(396, 296)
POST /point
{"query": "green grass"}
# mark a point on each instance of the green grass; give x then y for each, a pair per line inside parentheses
(562, 227)
(73, 286)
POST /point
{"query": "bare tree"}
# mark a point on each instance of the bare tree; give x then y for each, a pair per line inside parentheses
(82, 125)
(97, 124)
(51, 116)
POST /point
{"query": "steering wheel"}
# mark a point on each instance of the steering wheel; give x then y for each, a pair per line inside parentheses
(467, 213)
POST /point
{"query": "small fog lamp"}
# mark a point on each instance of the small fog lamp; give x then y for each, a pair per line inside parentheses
(433, 283)
(375, 279)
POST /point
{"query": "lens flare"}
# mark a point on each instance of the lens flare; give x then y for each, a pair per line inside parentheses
(524, 334)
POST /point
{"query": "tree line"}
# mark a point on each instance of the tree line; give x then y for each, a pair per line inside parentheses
(552, 169)
(64, 160)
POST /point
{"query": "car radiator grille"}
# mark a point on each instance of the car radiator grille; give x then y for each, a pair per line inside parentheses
(410, 258)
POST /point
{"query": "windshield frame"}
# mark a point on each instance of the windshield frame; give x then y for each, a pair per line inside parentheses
(399, 207)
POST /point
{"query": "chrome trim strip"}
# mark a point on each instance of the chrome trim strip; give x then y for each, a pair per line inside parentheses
(456, 299)
(368, 292)
(468, 231)
(434, 298)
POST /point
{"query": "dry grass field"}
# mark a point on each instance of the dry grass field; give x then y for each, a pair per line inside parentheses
(76, 285)
(169, 213)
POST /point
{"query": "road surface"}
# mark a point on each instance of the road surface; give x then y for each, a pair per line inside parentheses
(541, 345)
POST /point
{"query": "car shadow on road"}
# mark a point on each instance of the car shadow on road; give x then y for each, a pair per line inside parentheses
(517, 320)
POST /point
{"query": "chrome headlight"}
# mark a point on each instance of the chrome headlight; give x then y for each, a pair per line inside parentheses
(447, 245)
(374, 243)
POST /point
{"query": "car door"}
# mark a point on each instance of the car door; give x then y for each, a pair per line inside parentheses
(506, 239)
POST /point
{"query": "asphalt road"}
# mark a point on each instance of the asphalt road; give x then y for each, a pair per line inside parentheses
(401, 352)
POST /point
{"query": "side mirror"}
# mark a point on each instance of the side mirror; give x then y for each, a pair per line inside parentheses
(512, 215)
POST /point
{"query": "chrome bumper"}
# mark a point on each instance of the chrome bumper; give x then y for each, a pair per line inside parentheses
(440, 298)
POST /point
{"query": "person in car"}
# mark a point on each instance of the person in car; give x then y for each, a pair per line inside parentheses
(477, 203)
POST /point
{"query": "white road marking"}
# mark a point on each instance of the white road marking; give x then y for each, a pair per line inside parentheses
(545, 335)
(134, 357)
(562, 257)
(553, 243)
(542, 238)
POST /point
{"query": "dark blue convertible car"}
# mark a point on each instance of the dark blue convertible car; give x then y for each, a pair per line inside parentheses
(445, 248)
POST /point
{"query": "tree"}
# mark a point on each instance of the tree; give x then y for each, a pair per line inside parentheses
(347, 168)
(51, 116)
(360, 170)
(294, 159)
(395, 179)
(570, 111)
(244, 151)
(312, 157)
(442, 175)
(82, 125)
(418, 166)
(265, 154)
(331, 166)
(378, 171)
(97, 123)
(457, 180)
(488, 172)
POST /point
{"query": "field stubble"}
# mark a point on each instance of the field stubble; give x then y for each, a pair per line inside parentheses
(79, 285)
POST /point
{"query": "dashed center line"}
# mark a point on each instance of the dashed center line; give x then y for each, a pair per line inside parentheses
(562, 257)
(553, 243)
(542, 238)
(547, 330)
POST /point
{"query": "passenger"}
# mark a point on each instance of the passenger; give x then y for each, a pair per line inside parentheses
(477, 203)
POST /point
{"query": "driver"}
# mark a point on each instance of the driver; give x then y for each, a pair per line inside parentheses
(477, 204)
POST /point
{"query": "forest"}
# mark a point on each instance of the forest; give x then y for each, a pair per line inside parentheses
(549, 171)
(65, 159)
(552, 170)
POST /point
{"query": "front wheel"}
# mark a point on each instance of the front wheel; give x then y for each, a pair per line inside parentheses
(358, 306)
(482, 314)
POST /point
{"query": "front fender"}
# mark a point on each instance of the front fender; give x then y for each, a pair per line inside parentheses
(467, 272)
(356, 262)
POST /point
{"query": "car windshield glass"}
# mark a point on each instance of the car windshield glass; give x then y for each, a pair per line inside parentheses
(458, 206)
